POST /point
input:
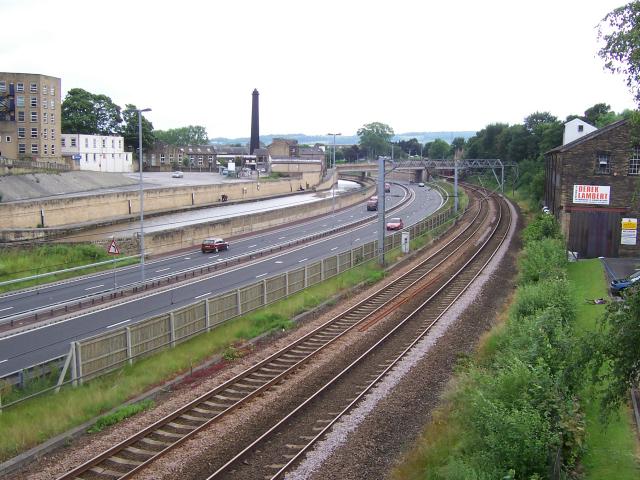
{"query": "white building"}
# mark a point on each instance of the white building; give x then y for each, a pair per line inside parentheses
(575, 129)
(97, 153)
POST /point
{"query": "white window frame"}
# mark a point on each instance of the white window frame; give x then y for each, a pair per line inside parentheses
(34, 132)
(19, 87)
(34, 116)
(22, 148)
(33, 87)
(22, 132)
(34, 102)
(21, 115)
(3, 86)
(53, 149)
(63, 142)
(34, 148)
(73, 141)
(19, 101)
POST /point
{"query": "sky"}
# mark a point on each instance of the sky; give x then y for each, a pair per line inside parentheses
(321, 66)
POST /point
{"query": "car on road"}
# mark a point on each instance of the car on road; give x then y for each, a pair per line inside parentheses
(387, 187)
(177, 174)
(395, 224)
(214, 245)
(618, 285)
(421, 184)
(372, 203)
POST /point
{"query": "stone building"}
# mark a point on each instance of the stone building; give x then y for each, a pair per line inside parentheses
(592, 186)
(30, 117)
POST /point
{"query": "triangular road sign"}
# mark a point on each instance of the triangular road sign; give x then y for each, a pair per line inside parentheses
(113, 248)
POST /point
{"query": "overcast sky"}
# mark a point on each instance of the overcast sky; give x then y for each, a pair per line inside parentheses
(321, 66)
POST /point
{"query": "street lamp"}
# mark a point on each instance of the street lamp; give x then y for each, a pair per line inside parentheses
(333, 185)
(141, 192)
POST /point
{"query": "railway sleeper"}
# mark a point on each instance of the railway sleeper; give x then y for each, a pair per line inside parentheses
(226, 398)
(217, 406)
(181, 426)
(192, 418)
(155, 443)
(126, 462)
(105, 472)
(167, 434)
(140, 451)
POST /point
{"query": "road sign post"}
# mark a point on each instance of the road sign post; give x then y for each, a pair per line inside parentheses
(114, 250)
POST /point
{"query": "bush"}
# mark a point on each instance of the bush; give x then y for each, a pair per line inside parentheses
(543, 259)
(536, 297)
(543, 226)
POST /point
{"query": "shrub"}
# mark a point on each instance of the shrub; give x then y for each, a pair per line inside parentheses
(536, 297)
(543, 226)
(543, 259)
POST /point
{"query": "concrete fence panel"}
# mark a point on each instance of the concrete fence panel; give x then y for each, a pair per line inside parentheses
(276, 287)
(151, 335)
(222, 308)
(251, 297)
(189, 320)
(329, 267)
(103, 353)
(314, 273)
(296, 280)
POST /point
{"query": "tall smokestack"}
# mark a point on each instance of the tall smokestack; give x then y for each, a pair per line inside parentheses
(255, 123)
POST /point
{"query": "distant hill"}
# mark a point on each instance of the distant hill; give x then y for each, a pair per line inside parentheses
(422, 137)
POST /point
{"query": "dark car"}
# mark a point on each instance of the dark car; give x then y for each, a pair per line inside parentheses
(395, 224)
(214, 245)
(620, 284)
(372, 203)
(387, 187)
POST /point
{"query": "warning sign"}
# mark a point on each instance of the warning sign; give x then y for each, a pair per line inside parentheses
(113, 248)
(629, 231)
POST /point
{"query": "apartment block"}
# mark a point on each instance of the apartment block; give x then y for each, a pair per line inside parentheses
(97, 153)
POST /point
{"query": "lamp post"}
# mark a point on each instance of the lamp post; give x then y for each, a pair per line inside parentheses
(141, 192)
(333, 166)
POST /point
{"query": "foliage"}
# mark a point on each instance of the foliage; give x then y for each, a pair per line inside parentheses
(130, 130)
(439, 149)
(411, 146)
(620, 31)
(543, 226)
(120, 414)
(543, 259)
(375, 138)
(191, 135)
(90, 114)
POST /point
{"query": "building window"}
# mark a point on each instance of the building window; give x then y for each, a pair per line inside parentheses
(580, 128)
(20, 87)
(52, 103)
(34, 133)
(45, 133)
(53, 117)
(171, 158)
(44, 89)
(34, 148)
(7, 139)
(22, 148)
(603, 164)
(162, 159)
(44, 103)
(104, 143)
(52, 90)
(33, 88)
(86, 143)
(34, 102)
(45, 117)
(34, 116)
(53, 149)
(119, 144)
(21, 116)
(19, 100)
(45, 150)
(22, 132)
(63, 142)
(73, 141)
(94, 143)
(634, 161)
(3, 86)
(53, 134)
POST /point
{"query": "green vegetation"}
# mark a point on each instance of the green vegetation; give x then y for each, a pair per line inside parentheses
(19, 263)
(120, 414)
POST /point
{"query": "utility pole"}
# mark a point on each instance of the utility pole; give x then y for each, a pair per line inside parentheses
(381, 208)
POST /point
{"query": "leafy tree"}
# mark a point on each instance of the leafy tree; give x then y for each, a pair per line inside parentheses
(90, 114)
(620, 31)
(191, 135)
(410, 147)
(458, 143)
(439, 149)
(592, 115)
(130, 130)
(351, 153)
(375, 138)
(538, 118)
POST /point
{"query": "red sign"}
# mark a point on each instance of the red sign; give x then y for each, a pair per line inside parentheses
(113, 248)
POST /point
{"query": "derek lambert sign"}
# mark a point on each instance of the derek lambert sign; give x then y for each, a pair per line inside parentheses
(591, 194)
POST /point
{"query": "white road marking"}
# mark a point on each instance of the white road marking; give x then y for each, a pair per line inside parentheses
(5, 360)
(187, 258)
(356, 239)
(91, 288)
(280, 238)
(119, 323)
(163, 269)
(303, 260)
(334, 248)
(261, 275)
(203, 295)
(3, 309)
(277, 261)
(251, 246)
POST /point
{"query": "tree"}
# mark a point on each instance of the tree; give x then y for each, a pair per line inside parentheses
(375, 138)
(439, 149)
(130, 130)
(352, 153)
(620, 31)
(537, 118)
(90, 114)
(191, 135)
(410, 147)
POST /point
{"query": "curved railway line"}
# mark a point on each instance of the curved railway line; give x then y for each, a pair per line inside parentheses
(441, 279)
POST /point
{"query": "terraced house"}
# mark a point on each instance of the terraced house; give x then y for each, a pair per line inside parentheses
(592, 186)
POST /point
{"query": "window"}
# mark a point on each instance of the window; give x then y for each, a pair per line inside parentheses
(73, 141)
(86, 143)
(53, 117)
(200, 161)
(34, 116)
(34, 102)
(94, 143)
(119, 144)
(45, 150)
(580, 128)
(171, 158)
(45, 133)
(3, 86)
(34, 148)
(53, 149)
(20, 87)
(21, 115)
(634, 161)
(53, 103)
(33, 88)
(34, 133)
(113, 143)
(44, 89)
(22, 132)
(19, 100)
(104, 143)
(22, 148)
(53, 134)
(63, 142)
(603, 163)
(45, 116)
(7, 139)
(52, 91)
(162, 158)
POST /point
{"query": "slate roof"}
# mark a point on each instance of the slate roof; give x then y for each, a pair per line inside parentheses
(588, 136)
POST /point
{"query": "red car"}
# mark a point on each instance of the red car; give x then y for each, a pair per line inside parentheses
(214, 245)
(395, 224)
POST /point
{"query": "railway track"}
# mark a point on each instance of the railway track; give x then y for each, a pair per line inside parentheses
(145, 447)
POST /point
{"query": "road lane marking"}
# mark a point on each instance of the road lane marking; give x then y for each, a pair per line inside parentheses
(187, 258)
(203, 295)
(251, 246)
(5, 360)
(277, 261)
(280, 238)
(357, 239)
(91, 288)
(303, 260)
(163, 269)
(3, 309)
(334, 248)
(119, 323)
(261, 275)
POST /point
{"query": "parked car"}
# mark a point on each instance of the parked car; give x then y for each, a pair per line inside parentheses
(620, 284)
(421, 184)
(387, 187)
(395, 224)
(225, 171)
(214, 245)
(372, 203)
(177, 174)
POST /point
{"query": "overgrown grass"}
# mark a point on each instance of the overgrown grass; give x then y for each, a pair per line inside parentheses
(20, 263)
(121, 414)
